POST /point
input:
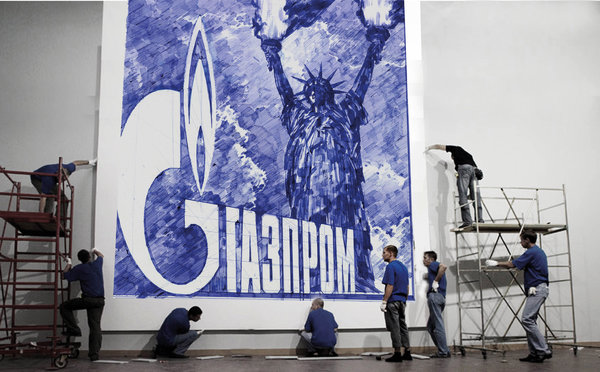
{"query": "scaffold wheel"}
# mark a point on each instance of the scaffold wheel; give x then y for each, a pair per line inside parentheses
(61, 361)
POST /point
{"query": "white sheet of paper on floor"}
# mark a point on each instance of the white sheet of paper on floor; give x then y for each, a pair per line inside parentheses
(284, 357)
(419, 356)
(210, 357)
(376, 353)
(146, 360)
(357, 357)
(107, 361)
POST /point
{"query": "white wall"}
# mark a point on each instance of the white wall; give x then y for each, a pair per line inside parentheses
(514, 82)
(517, 85)
(49, 74)
(49, 97)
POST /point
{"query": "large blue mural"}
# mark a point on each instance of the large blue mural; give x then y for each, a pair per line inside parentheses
(264, 149)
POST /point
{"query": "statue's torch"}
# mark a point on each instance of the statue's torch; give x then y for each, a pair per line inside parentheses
(377, 12)
(270, 26)
(380, 16)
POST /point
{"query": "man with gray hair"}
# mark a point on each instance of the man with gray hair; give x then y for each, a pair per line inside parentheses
(320, 330)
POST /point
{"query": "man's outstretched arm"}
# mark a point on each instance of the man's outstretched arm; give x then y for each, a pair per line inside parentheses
(504, 264)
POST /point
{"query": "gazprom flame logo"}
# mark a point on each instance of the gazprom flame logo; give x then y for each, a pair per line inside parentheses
(151, 143)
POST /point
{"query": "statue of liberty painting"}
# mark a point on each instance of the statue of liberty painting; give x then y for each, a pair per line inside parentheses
(323, 165)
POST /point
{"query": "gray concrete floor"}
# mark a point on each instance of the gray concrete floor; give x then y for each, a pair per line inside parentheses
(563, 360)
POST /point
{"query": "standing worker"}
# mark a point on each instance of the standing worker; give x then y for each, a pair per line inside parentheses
(535, 264)
(468, 173)
(436, 301)
(48, 185)
(393, 305)
(89, 275)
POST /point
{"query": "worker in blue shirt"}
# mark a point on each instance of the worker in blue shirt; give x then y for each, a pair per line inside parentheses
(89, 275)
(393, 305)
(535, 264)
(320, 330)
(436, 301)
(48, 185)
(175, 336)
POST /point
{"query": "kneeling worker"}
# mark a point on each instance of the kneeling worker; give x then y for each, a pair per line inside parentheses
(320, 330)
(175, 336)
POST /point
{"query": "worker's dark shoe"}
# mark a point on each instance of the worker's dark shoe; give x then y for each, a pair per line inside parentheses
(323, 352)
(94, 358)
(532, 359)
(162, 351)
(527, 358)
(438, 355)
(548, 355)
(332, 353)
(396, 358)
(465, 224)
(178, 356)
(407, 355)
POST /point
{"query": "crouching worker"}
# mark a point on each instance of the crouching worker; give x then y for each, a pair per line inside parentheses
(175, 336)
(320, 330)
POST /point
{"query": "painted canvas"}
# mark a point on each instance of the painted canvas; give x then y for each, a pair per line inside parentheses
(263, 149)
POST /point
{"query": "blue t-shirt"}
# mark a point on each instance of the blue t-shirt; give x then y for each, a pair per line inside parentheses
(396, 274)
(322, 325)
(176, 323)
(535, 264)
(89, 275)
(48, 182)
(432, 271)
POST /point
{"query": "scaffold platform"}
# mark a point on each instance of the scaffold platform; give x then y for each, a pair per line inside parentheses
(33, 246)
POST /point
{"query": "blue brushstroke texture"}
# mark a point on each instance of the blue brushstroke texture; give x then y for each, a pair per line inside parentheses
(158, 34)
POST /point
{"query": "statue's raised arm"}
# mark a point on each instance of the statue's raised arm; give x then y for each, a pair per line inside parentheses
(271, 48)
(377, 37)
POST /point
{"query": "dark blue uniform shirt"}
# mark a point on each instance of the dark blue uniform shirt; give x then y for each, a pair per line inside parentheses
(89, 275)
(396, 274)
(176, 323)
(432, 271)
(535, 264)
(48, 182)
(322, 325)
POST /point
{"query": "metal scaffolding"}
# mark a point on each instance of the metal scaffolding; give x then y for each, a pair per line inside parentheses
(490, 299)
(32, 245)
